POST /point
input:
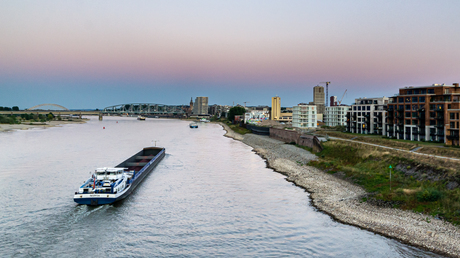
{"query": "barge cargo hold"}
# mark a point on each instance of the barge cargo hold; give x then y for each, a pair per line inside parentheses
(111, 184)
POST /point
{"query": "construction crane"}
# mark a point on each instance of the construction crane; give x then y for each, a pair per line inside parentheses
(245, 103)
(327, 93)
(340, 102)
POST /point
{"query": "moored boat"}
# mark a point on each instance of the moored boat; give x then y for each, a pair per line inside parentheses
(140, 117)
(111, 184)
(193, 125)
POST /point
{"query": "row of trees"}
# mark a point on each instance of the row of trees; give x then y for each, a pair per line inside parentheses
(16, 119)
(15, 108)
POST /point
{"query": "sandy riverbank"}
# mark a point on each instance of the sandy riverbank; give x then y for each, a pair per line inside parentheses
(26, 126)
(342, 200)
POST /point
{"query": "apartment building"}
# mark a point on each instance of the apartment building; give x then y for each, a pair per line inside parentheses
(319, 99)
(201, 106)
(426, 113)
(368, 116)
(304, 116)
(336, 115)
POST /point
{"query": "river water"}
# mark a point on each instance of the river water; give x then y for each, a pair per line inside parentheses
(210, 196)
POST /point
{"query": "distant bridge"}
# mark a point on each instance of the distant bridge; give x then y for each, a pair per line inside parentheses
(146, 109)
(43, 107)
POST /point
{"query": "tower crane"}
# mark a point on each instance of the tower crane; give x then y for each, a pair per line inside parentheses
(327, 93)
(340, 102)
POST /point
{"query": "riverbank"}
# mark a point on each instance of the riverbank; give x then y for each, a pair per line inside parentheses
(27, 126)
(342, 199)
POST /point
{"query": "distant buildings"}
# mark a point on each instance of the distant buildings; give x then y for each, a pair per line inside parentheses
(319, 99)
(256, 116)
(304, 116)
(276, 111)
(276, 108)
(367, 116)
(336, 115)
(201, 106)
(333, 101)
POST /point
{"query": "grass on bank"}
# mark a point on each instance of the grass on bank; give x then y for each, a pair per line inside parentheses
(368, 167)
(430, 148)
(238, 129)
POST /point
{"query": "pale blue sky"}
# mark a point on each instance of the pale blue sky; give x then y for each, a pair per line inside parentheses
(93, 54)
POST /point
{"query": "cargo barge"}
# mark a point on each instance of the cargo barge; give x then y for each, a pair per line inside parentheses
(111, 184)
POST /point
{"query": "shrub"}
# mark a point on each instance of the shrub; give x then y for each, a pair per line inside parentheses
(428, 195)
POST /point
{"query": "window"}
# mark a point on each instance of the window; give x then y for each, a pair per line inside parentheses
(368, 107)
(414, 114)
(414, 107)
(432, 114)
(407, 99)
(407, 114)
(409, 92)
(416, 91)
(414, 99)
(423, 91)
(401, 100)
(432, 106)
(430, 91)
(359, 107)
(421, 99)
(432, 122)
(407, 107)
(422, 106)
(407, 122)
(354, 107)
(449, 106)
(359, 113)
(452, 116)
(452, 124)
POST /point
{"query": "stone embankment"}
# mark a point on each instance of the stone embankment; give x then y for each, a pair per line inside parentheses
(342, 200)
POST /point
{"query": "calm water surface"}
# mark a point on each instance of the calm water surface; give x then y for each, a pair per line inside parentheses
(210, 196)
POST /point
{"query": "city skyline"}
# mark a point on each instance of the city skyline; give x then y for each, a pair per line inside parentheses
(84, 54)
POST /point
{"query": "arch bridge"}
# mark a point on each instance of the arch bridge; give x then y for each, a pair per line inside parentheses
(146, 109)
(48, 107)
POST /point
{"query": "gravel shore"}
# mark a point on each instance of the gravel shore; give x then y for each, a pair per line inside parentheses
(342, 200)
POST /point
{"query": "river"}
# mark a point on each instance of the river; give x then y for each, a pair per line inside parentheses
(210, 196)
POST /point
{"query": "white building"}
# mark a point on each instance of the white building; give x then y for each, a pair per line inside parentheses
(336, 115)
(304, 116)
(367, 116)
(256, 116)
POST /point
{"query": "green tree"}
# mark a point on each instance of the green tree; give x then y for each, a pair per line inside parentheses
(50, 117)
(15, 108)
(235, 111)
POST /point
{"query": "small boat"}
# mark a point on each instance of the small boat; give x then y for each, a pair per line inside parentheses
(141, 118)
(204, 120)
(193, 125)
(111, 184)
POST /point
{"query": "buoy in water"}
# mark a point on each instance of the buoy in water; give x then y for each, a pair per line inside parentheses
(103, 127)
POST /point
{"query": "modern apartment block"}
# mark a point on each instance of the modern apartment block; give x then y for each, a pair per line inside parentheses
(428, 113)
(336, 115)
(304, 116)
(368, 116)
(201, 106)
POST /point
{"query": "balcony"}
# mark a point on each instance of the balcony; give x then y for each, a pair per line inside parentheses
(452, 137)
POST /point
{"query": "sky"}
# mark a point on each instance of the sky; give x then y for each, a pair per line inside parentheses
(95, 54)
